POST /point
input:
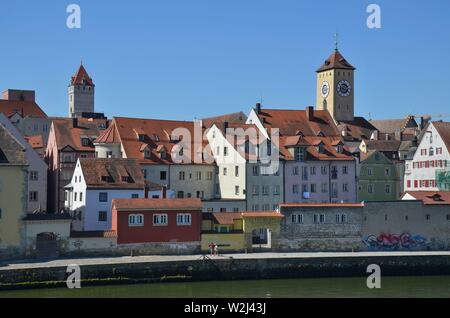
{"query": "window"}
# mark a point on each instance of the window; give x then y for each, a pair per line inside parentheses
(184, 219)
(319, 218)
(236, 190)
(198, 175)
(345, 187)
(85, 142)
(33, 196)
(200, 194)
(345, 170)
(312, 171)
(387, 188)
(225, 151)
(255, 170)
(334, 172)
(265, 190)
(324, 187)
(33, 176)
(225, 171)
(370, 188)
(75, 196)
(135, 195)
(297, 218)
(295, 171)
(0, 213)
(136, 220)
(102, 216)
(255, 190)
(428, 217)
(236, 171)
(369, 171)
(448, 217)
(182, 175)
(387, 172)
(305, 173)
(295, 188)
(160, 219)
(209, 175)
(81, 196)
(341, 218)
(299, 154)
(180, 194)
(102, 196)
(313, 188)
(276, 190)
(163, 175)
(323, 170)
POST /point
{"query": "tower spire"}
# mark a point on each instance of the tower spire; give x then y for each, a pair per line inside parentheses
(336, 42)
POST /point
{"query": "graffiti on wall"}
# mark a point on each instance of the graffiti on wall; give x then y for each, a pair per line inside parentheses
(392, 242)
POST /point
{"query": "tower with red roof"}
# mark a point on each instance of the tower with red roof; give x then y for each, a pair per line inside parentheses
(81, 93)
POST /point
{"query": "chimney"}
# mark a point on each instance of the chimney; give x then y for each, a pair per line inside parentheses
(422, 123)
(258, 108)
(309, 113)
(225, 127)
(75, 122)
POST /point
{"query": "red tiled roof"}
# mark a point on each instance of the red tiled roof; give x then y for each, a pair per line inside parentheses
(223, 218)
(157, 204)
(110, 173)
(443, 128)
(156, 133)
(357, 129)
(431, 197)
(336, 61)
(68, 135)
(238, 117)
(81, 77)
(36, 142)
(325, 205)
(24, 108)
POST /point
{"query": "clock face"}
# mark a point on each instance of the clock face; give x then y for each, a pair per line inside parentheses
(325, 89)
(344, 88)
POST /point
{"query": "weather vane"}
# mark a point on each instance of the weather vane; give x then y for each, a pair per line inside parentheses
(336, 41)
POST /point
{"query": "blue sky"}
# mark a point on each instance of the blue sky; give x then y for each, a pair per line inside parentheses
(192, 59)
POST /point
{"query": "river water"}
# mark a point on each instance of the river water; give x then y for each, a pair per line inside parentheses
(423, 286)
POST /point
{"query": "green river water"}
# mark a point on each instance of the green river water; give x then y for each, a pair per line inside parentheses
(418, 286)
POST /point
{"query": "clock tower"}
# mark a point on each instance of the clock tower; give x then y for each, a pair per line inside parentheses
(335, 87)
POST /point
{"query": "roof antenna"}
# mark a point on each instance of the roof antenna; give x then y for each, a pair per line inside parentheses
(370, 116)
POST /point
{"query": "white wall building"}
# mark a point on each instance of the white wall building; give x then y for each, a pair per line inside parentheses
(95, 183)
(37, 170)
(431, 159)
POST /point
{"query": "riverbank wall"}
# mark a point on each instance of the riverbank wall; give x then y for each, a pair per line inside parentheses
(226, 268)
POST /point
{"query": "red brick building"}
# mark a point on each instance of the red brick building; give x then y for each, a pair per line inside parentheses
(157, 220)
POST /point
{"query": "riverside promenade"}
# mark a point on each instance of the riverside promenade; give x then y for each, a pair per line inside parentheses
(223, 267)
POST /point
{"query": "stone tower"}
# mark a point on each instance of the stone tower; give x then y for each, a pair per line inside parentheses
(335, 87)
(81, 93)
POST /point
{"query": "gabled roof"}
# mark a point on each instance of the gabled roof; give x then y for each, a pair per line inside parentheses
(66, 135)
(443, 128)
(222, 218)
(238, 117)
(431, 197)
(156, 133)
(383, 145)
(291, 122)
(336, 61)
(390, 126)
(157, 204)
(356, 130)
(11, 151)
(112, 173)
(81, 77)
(23, 108)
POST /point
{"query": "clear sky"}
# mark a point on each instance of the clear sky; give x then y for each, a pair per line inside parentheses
(198, 58)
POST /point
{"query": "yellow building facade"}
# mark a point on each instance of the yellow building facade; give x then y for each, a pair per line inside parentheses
(13, 191)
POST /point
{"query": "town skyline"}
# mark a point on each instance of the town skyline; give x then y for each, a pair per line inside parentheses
(166, 76)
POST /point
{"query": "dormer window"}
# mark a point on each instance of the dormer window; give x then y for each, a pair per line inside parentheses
(107, 179)
(85, 142)
(320, 148)
(126, 179)
(141, 137)
(163, 154)
(339, 148)
(147, 153)
(181, 152)
(300, 154)
(320, 134)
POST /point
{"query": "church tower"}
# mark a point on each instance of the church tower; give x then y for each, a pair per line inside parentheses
(335, 87)
(81, 93)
